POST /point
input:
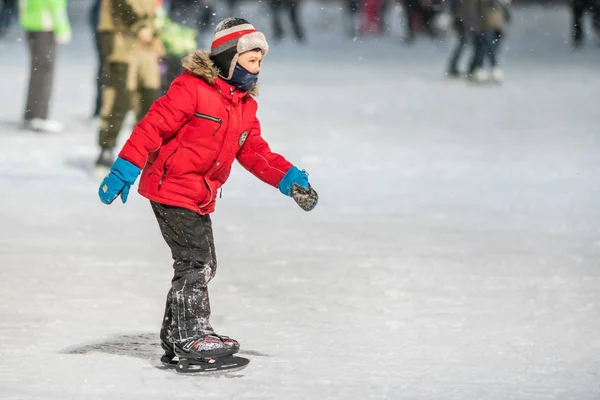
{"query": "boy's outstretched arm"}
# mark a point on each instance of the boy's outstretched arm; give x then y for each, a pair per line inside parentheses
(273, 169)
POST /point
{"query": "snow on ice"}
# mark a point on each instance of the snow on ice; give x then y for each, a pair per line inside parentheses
(454, 253)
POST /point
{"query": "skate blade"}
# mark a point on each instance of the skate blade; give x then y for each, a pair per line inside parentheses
(212, 372)
(211, 365)
(168, 362)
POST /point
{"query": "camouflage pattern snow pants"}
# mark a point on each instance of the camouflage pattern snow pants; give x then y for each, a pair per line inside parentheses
(190, 237)
(127, 85)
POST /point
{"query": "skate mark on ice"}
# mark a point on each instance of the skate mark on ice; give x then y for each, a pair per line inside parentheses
(144, 346)
(80, 163)
(252, 353)
(231, 374)
(11, 124)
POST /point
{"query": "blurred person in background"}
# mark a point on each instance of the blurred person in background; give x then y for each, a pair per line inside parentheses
(94, 19)
(198, 13)
(233, 7)
(462, 36)
(578, 10)
(178, 41)
(420, 15)
(291, 6)
(497, 16)
(366, 17)
(371, 17)
(8, 14)
(131, 75)
(207, 12)
(486, 20)
(352, 9)
(46, 24)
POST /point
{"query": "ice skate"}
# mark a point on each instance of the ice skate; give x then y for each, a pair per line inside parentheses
(497, 75)
(168, 359)
(211, 353)
(227, 363)
(212, 345)
(42, 125)
(480, 75)
(454, 75)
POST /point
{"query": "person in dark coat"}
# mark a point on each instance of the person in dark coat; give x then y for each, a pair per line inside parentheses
(8, 15)
(485, 22)
(578, 10)
(94, 20)
(194, 13)
(291, 7)
(462, 36)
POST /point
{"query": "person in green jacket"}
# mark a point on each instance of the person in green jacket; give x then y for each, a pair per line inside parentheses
(178, 41)
(46, 24)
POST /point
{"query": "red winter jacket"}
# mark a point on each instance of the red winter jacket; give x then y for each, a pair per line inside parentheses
(187, 142)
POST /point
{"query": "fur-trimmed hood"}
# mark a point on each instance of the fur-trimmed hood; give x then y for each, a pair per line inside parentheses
(200, 64)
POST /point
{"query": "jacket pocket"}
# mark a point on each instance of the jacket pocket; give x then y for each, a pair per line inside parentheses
(166, 168)
(209, 195)
(210, 118)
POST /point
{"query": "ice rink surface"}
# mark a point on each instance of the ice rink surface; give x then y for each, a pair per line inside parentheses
(454, 253)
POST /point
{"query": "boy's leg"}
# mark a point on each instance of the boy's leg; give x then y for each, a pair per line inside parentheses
(190, 237)
(166, 329)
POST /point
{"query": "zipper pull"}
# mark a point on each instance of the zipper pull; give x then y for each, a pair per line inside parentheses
(220, 192)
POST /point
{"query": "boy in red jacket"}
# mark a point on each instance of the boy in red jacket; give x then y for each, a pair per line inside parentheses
(186, 145)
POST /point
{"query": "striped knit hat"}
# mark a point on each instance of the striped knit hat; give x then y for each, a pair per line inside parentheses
(234, 36)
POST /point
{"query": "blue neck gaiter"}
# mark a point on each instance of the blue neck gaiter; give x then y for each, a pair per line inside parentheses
(242, 79)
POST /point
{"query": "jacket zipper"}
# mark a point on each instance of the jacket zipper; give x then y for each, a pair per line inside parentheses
(165, 168)
(210, 118)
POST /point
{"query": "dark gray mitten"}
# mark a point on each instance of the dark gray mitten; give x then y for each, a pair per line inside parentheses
(307, 199)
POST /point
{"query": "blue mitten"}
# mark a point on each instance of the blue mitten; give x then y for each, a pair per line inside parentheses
(118, 182)
(295, 184)
(294, 175)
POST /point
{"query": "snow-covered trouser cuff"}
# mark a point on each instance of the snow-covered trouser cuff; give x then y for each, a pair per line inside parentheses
(190, 237)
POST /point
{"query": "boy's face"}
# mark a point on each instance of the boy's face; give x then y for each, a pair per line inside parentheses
(251, 61)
